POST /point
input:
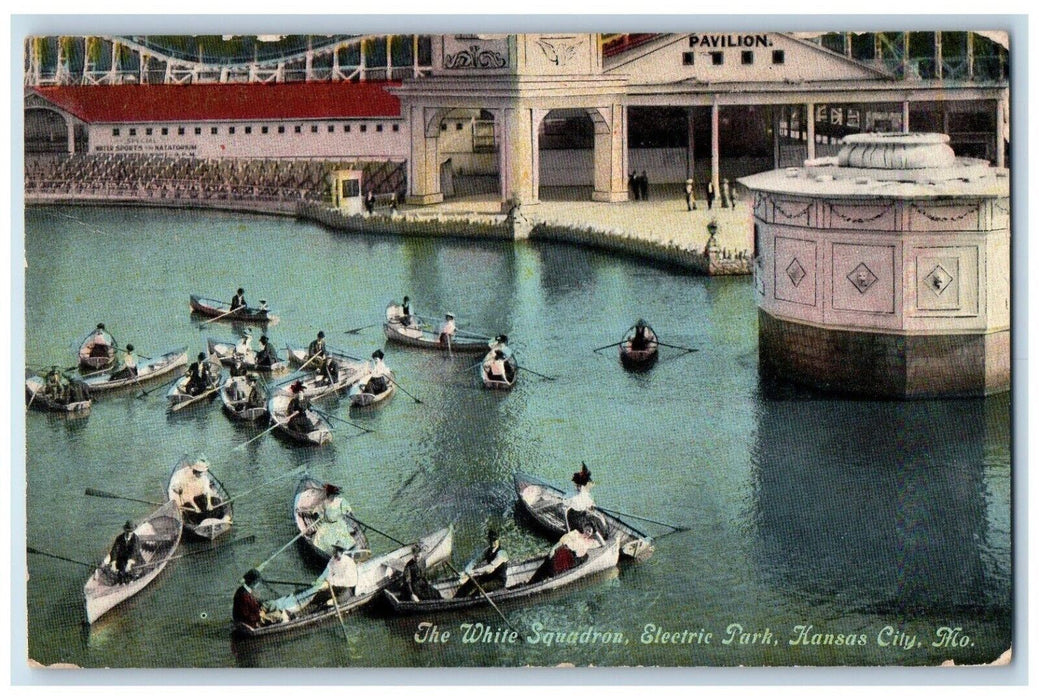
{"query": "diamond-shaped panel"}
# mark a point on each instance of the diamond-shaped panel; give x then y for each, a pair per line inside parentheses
(795, 272)
(862, 278)
(938, 280)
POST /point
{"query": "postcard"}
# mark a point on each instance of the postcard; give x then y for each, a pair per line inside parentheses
(410, 351)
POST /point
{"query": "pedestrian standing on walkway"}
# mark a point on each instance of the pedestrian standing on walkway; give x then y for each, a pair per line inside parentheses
(690, 195)
(726, 194)
(633, 185)
(644, 185)
(710, 193)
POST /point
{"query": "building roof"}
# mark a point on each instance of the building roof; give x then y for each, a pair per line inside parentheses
(223, 101)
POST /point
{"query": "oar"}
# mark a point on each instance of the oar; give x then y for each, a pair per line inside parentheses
(406, 392)
(611, 345)
(349, 357)
(678, 347)
(124, 350)
(617, 513)
(288, 544)
(194, 399)
(335, 602)
(301, 584)
(31, 399)
(217, 318)
(331, 417)
(286, 475)
(257, 437)
(474, 336)
(374, 529)
(525, 369)
(33, 550)
(357, 330)
(162, 386)
(106, 494)
(484, 594)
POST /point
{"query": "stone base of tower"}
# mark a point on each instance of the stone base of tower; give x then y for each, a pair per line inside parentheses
(884, 365)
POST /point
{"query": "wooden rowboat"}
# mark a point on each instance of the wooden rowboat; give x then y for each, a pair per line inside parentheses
(214, 308)
(97, 355)
(643, 356)
(373, 576)
(37, 398)
(546, 505)
(208, 524)
(178, 395)
(152, 369)
(278, 406)
(511, 370)
(239, 408)
(516, 584)
(160, 535)
(317, 385)
(225, 353)
(425, 336)
(308, 508)
(361, 397)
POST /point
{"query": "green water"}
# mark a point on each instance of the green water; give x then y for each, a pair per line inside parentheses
(877, 524)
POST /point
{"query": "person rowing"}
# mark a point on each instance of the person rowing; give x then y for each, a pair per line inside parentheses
(254, 396)
(580, 507)
(198, 375)
(500, 342)
(446, 331)
(488, 571)
(238, 300)
(248, 608)
(414, 585)
(643, 336)
(266, 356)
(193, 490)
(299, 409)
(100, 342)
(244, 347)
(334, 528)
(378, 374)
(54, 388)
(125, 554)
(127, 367)
(335, 584)
(571, 550)
(496, 368)
(316, 353)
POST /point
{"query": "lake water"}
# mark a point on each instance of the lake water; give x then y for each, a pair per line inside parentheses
(843, 532)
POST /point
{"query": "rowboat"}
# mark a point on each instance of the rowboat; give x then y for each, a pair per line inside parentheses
(225, 353)
(318, 385)
(152, 369)
(546, 505)
(159, 534)
(361, 397)
(208, 524)
(78, 402)
(320, 533)
(641, 357)
(373, 576)
(214, 308)
(93, 354)
(517, 584)
(239, 408)
(178, 395)
(425, 336)
(511, 372)
(278, 406)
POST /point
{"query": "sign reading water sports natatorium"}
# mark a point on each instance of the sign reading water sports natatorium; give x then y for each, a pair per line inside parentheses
(726, 41)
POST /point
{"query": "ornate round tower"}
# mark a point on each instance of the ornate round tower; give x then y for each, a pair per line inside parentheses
(885, 271)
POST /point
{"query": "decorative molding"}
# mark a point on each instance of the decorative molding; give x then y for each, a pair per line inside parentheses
(862, 278)
(475, 57)
(559, 52)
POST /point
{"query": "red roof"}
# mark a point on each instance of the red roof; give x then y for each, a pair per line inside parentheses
(224, 101)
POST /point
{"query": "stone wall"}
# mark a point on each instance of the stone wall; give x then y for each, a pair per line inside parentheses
(883, 364)
(468, 225)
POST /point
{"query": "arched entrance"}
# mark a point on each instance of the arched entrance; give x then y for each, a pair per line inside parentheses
(566, 155)
(468, 160)
(46, 132)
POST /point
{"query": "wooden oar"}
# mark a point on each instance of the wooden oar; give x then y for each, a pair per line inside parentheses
(406, 392)
(335, 602)
(257, 437)
(340, 352)
(217, 318)
(678, 347)
(617, 513)
(162, 386)
(525, 369)
(288, 544)
(194, 399)
(301, 584)
(124, 350)
(106, 494)
(611, 345)
(286, 475)
(484, 594)
(33, 550)
(357, 330)
(330, 416)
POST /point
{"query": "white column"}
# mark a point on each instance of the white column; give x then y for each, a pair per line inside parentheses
(610, 144)
(715, 151)
(518, 156)
(690, 149)
(1000, 154)
(810, 126)
(905, 116)
(423, 165)
(776, 117)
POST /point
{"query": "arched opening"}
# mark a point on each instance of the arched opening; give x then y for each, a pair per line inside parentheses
(46, 132)
(566, 155)
(467, 144)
